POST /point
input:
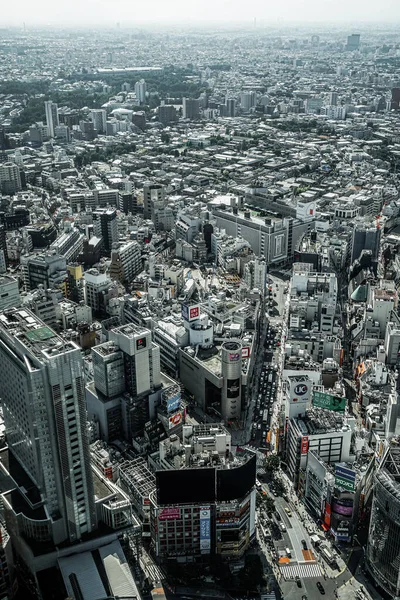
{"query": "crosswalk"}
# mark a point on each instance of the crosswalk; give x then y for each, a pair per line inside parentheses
(305, 571)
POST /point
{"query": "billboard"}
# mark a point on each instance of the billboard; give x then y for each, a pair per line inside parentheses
(169, 514)
(346, 511)
(234, 357)
(141, 343)
(190, 312)
(322, 400)
(205, 529)
(175, 420)
(344, 483)
(344, 477)
(232, 388)
(304, 444)
(246, 352)
(299, 391)
(236, 483)
(180, 486)
(173, 403)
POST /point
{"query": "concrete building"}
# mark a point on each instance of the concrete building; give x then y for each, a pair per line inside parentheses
(167, 114)
(47, 269)
(52, 120)
(191, 109)
(10, 178)
(152, 193)
(126, 262)
(105, 226)
(9, 292)
(98, 116)
(96, 288)
(140, 91)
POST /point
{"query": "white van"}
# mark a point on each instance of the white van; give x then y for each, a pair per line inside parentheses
(288, 553)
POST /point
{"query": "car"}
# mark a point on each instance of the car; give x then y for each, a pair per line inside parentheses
(320, 588)
(288, 512)
(278, 516)
(259, 426)
(298, 581)
(304, 544)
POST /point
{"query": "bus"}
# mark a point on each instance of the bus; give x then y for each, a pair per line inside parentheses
(265, 416)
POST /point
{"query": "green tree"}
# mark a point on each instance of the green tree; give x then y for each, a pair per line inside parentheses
(272, 462)
(269, 505)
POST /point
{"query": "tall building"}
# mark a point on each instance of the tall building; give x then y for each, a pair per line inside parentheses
(47, 269)
(52, 121)
(333, 97)
(191, 108)
(230, 107)
(126, 262)
(10, 178)
(96, 287)
(105, 226)
(167, 114)
(9, 292)
(98, 116)
(248, 100)
(365, 237)
(353, 42)
(383, 547)
(140, 91)
(152, 192)
(395, 98)
(42, 394)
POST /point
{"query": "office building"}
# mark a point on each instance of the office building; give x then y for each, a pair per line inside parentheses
(3, 250)
(153, 193)
(97, 286)
(105, 226)
(333, 98)
(48, 449)
(230, 107)
(365, 237)
(383, 546)
(47, 269)
(191, 108)
(10, 178)
(140, 91)
(52, 120)
(353, 42)
(126, 262)
(9, 292)
(70, 243)
(98, 116)
(167, 114)
(248, 100)
(395, 98)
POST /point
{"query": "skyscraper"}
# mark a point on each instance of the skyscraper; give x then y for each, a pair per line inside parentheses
(42, 394)
(105, 226)
(191, 108)
(98, 116)
(10, 178)
(353, 42)
(140, 91)
(51, 110)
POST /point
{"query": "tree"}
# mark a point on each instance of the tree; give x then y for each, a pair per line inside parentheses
(269, 505)
(272, 462)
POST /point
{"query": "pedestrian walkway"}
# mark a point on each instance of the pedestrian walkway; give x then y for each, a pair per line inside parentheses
(304, 571)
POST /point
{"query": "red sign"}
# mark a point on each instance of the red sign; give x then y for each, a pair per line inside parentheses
(175, 419)
(246, 352)
(304, 444)
(169, 514)
(194, 312)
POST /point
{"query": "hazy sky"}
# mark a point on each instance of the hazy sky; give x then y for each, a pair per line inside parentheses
(130, 12)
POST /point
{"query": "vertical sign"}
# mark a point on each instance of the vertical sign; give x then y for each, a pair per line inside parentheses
(205, 529)
(304, 444)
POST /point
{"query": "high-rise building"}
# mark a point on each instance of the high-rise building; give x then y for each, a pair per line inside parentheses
(10, 178)
(140, 91)
(47, 269)
(42, 394)
(98, 117)
(191, 108)
(9, 292)
(126, 262)
(353, 42)
(52, 121)
(383, 547)
(105, 226)
(167, 114)
(96, 287)
(333, 97)
(248, 100)
(152, 192)
(395, 98)
(230, 107)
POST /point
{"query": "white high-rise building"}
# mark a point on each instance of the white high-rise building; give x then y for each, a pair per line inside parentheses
(43, 400)
(98, 116)
(140, 91)
(52, 121)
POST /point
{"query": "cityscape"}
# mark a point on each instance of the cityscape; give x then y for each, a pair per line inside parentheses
(199, 311)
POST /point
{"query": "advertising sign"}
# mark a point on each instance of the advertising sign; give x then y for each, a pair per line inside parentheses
(141, 343)
(169, 514)
(246, 352)
(304, 444)
(345, 472)
(175, 420)
(205, 529)
(301, 389)
(322, 400)
(194, 312)
(346, 511)
(185, 312)
(234, 357)
(173, 403)
(344, 483)
(232, 388)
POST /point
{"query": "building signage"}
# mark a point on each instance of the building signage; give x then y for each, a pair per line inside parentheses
(232, 388)
(173, 403)
(141, 343)
(344, 483)
(322, 400)
(205, 529)
(175, 420)
(246, 352)
(190, 312)
(346, 511)
(301, 389)
(304, 444)
(345, 472)
(234, 357)
(169, 514)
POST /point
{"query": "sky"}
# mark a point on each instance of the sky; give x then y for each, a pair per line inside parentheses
(170, 12)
